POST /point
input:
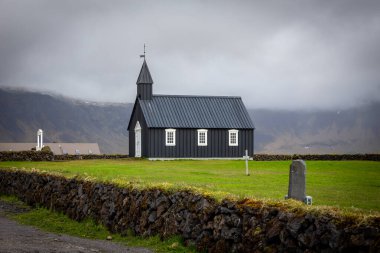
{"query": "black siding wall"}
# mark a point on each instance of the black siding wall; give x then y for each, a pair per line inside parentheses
(187, 144)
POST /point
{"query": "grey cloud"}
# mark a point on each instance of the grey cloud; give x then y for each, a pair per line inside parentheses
(275, 54)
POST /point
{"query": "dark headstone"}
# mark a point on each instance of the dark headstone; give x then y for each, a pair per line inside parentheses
(297, 180)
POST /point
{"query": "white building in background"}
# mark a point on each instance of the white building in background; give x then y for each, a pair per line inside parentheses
(58, 148)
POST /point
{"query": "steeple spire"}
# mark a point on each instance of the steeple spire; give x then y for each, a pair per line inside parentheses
(144, 81)
(144, 76)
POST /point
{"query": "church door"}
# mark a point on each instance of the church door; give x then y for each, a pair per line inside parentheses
(137, 140)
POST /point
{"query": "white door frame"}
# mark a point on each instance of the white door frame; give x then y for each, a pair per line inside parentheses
(137, 140)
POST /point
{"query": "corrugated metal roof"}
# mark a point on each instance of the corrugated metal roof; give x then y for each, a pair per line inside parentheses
(144, 76)
(165, 111)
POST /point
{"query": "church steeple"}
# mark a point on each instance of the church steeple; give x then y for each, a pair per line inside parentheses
(144, 76)
(144, 83)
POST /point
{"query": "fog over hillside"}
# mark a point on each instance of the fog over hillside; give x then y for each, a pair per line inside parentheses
(22, 113)
(275, 54)
(348, 131)
(63, 120)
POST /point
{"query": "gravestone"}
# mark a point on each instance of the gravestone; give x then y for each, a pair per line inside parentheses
(297, 180)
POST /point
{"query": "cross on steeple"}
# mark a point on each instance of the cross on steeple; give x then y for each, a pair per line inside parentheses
(143, 55)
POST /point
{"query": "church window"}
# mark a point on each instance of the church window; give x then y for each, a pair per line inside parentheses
(233, 137)
(202, 137)
(170, 137)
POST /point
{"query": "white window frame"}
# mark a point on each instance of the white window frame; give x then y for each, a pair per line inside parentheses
(230, 134)
(167, 133)
(202, 131)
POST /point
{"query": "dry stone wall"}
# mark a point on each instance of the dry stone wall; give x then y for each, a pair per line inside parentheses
(26, 156)
(228, 226)
(315, 157)
(49, 156)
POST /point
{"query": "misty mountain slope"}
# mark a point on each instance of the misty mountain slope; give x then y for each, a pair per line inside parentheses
(348, 131)
(63, 120)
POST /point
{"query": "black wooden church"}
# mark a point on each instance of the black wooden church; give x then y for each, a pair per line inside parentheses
(167, 126)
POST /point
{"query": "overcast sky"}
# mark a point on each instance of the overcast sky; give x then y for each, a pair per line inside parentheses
(293, 54)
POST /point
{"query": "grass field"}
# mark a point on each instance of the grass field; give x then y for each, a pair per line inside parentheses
(345, 184)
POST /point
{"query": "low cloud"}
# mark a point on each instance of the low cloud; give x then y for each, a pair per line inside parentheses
(275, 54)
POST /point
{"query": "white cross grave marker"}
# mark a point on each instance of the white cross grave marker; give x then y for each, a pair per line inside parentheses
(246, 157)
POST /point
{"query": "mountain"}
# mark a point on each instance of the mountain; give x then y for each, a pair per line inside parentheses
(22, 113)
(354, 130)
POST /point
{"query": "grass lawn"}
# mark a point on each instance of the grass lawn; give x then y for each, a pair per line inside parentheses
(344, 184)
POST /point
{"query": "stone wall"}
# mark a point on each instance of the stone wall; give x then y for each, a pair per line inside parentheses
(88, 157)
(229, 226)
(26, 156)
(311, 157)
(49, 156)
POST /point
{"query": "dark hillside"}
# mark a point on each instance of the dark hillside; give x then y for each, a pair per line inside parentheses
(22, 113)
(63, 120)
(348, 131)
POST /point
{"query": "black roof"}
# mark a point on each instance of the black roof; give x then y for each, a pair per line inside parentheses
(144, 76)
(166, 111)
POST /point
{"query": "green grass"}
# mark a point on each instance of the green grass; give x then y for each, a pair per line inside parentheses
(61, 224)
(12, 199)
(345, 184)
